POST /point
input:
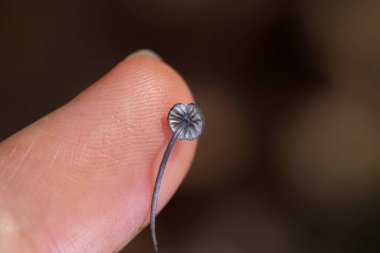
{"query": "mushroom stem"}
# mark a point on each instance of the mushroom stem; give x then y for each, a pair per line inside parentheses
(157, 184)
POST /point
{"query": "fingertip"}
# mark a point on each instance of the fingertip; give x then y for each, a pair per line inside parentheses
(98, 155)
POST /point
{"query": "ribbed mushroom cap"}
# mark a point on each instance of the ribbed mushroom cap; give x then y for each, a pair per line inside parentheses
(193, 118)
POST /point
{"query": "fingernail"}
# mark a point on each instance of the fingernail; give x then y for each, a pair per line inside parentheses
(145, 52)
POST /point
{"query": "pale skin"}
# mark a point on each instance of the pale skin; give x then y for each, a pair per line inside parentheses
(80, 179)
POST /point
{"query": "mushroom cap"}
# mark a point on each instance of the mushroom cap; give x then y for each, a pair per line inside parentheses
(192, 115)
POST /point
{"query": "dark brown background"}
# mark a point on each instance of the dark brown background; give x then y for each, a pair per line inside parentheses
(290, 160)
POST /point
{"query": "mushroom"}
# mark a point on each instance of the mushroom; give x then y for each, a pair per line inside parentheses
(186, 122)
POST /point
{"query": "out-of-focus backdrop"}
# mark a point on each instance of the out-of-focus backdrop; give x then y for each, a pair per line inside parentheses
(290, 159)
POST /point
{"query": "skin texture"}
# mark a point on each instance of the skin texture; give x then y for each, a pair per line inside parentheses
(81, 178)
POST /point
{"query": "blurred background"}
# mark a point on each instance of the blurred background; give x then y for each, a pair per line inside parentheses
(290, 159)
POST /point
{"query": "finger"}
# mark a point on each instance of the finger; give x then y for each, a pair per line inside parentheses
(80, 179)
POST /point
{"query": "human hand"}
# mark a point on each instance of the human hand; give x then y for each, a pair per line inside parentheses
(80, 179)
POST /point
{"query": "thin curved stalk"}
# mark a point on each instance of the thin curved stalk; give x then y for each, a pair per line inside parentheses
(158, 183)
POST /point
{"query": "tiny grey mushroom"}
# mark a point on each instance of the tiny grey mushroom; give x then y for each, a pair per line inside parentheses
(186, 122)
(192, 115)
